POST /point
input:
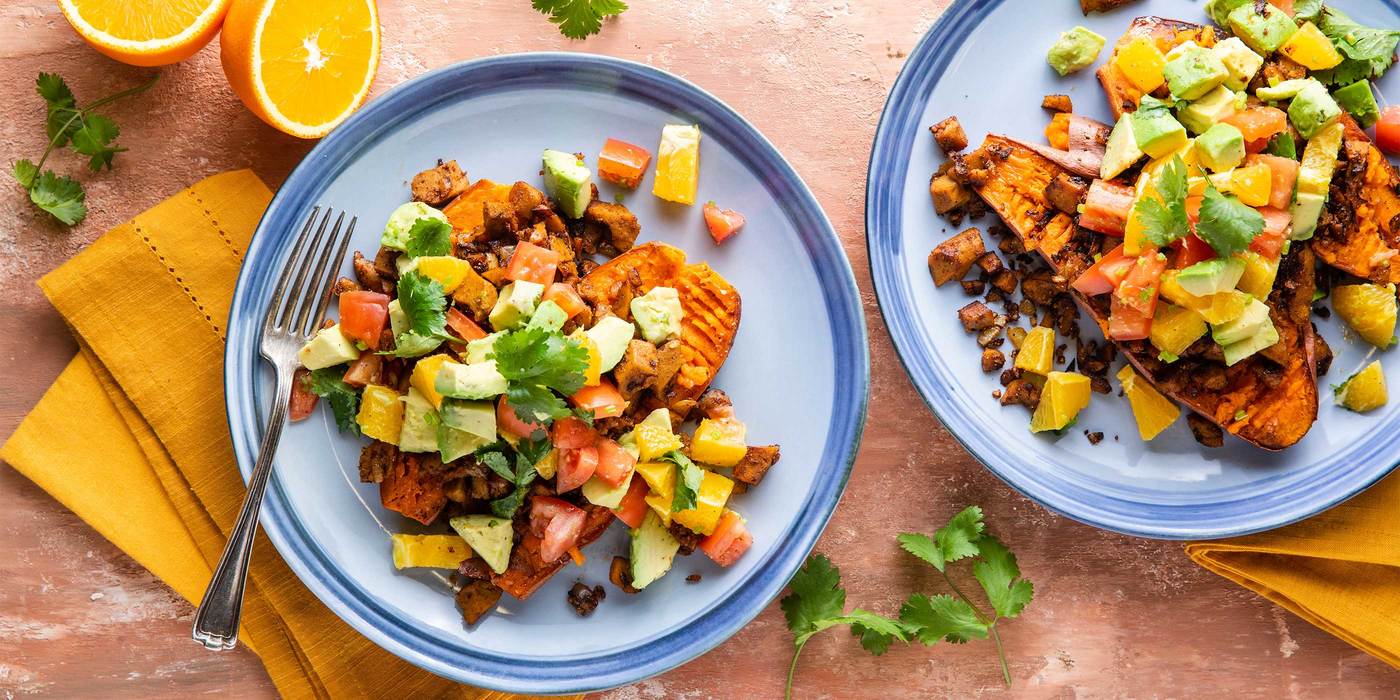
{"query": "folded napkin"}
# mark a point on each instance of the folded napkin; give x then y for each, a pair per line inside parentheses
(1339, 570)
(154, 471)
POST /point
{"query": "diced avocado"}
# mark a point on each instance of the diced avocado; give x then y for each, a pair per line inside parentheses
(611, 335)
(489, 536)
(478, 349)
(1306, 210)
(454, 444)
(658, 314)
(407, 343)
(1156, 131)
(547, 316)
(1192, 71)
(419, 431)
(1261, 26)
(327, 348)
(515, 303)
(568, 181)
(1239, 60)
(474, 417)
(1220, 148)
(659, 418)
(1211, 276)
(479, 380)
(1265, 337)
(1313, 109)
(1360, 102)
(1254, 317)
(1122, 151)
(1219, 10)
(401, 222)
(1283, 90)
(1204, 113)
(1320, 160)
(398, 320)
(1075, 50)
(599, 493)
(653, 550)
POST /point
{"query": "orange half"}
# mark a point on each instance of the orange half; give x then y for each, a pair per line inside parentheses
(146, 32)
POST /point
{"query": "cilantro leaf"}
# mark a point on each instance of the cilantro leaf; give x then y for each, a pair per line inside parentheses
(688, 478)
(497, 462)
(424, 303)
(429, 237)
(1001, 578)
(54, 89)
(329, 384)
(1367, 52)
(496, 457)
(410, 344)
(61, 117)
(536, 404)
(1226, 223)
(61, 196)
(1306, 10)
(94, 137)
(956, 540)
(1164, 220)
(535, 447)
(931, 618)
(876, 632)
(540, 356)
(577, 19)
(816, 595)
(25, 172)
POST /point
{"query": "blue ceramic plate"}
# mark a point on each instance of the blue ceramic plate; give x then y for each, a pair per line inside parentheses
(798, 371)
(984, 61)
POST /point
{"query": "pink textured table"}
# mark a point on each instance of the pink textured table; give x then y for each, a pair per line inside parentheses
(1113, 616)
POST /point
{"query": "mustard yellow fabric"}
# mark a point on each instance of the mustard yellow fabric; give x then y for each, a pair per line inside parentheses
(154, 471)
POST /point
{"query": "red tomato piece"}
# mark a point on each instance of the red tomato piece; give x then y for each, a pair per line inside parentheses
(532, 263)
(571, 433)
(1388, 130)
(622, 163)
(1104, 275)
(1259, 123)
(633, 508)
(1285, 5)
(462, 326)
(1269, 242)
(729, 541)
(557, 523)
(364, 370)
(575, 467)
(303, 401)
(722, 223)
(1107, 207)
(1126, 322)
(566, 297)
(604, 400)
(511, 423)
(614, 463)
(1190, 250)
(363, 315)
(1138, 290)
(1285, 175)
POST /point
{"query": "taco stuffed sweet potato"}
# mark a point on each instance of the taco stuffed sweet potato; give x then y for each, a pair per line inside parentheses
(1359, 232)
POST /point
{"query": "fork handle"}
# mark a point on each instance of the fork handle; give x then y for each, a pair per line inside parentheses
(216, 621)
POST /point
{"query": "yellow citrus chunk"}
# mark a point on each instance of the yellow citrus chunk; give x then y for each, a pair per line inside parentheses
(1363, 391)
(1369, 309)
(719, 442)
(302, 67)
(1252, 184)
(1142, 63)
(1310, 47)
(431, 551)
(678, 164)
(1259, 274)
(1152, 411)
(424, 377)
(709, 504)
(1064, 395)
(381, 414)
(661, 483)
(593, 373)
(1175, 328)
(1037, 353)
(146, 32)
(449, 271)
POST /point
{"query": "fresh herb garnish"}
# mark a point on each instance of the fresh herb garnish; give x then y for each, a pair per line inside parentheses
(499, 458)
(688, 478)
(1283, 146)
(1306, 10)
(578, 19)
(429, 237)
(1164, 220)
(89, 134)
(410, 344)
(1366, 52)
(329, 384)
(1226, 223)
(537, 362)
(424, 305)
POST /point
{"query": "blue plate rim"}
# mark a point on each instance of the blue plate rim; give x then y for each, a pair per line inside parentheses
(585, 672)
(885, 178)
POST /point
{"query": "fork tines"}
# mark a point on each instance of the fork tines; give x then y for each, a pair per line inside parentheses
(290, 310)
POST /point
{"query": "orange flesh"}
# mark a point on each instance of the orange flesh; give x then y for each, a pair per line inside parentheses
(314, 57)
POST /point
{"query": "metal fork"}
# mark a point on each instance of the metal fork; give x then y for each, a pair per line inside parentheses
(289, 324)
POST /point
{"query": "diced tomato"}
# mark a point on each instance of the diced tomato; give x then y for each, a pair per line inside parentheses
(1190, 250)
(633, 508)
(532, 263)
(571, 433)
(729, 541)
(1285, 176)
(575, 467)
(1285, 5)
(1126, 322)
(1259, 123)
(603, 399)
(557, 523)
(622, 163)
(1388, 130)
(463, 327)
(362, 316)
(722, 223)
(364, 370)
(1269, 242)
(1104, 275)
(1057, 133)
(614, 463)
(1107, 207)
(1135, 299)
(566, 297)
(303, 400)
(511, 423)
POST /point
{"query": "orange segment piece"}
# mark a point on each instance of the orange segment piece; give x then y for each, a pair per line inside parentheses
(146, 32)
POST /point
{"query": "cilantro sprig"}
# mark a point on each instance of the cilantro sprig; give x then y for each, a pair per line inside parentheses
(514, 465)
(536, 363)
(688, 478)
(329, 384)
(68, 124)
(1226, 223)
(579, 19)
(429, 236)
(1366, 52)
(1164, 220)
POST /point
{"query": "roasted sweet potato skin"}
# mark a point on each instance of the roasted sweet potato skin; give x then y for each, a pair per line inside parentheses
(527, 571)
(1359, 233)
(1122, 95)
(1269, 404)
(412, 490)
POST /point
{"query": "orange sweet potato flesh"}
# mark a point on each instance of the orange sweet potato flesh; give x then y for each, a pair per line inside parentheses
(1122, 95)
(465, 212)
(410, 489)
(527, 571)
(1277, 398)
(1359, 233)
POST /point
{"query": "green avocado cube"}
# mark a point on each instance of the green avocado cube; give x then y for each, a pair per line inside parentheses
(418, 433)
(568, 181)
(658, 314)
(612, 335)
(1156, 131)
(515, 303)
(1240, 60)
(1211, 276)
(1209, 109)
(1220, 148)
(1219, 10)
(1306, 210)
(1075, 50)
(1122, 151)
(478, 349)
(401, 222)
(1359, 101)
(474, 417)
(1313, 109)
(1264, 338)
(475, 382)
(454, 444)
(548, 316)
(1261, 26)
(1192, 71)
(490, 537)
(1254, 317)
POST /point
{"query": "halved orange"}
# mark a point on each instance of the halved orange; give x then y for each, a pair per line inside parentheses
(301, 66)
(146, 32)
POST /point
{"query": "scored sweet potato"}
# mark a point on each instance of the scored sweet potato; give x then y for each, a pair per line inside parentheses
(465, 211)
(614, 283)
(1270, 403)
(1359, 233)
(527, 571)
(1122, 95)
(410, 489)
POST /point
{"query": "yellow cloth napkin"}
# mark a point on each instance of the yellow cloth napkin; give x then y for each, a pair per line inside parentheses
(154, 471)
(1339, 570)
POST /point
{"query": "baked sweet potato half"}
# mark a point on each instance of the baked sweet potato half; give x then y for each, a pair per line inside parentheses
(1123, 95)
(1269, 399)
(527, 571)
(1359, 232)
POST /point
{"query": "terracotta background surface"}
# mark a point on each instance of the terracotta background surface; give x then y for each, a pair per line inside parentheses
(1113, 616)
